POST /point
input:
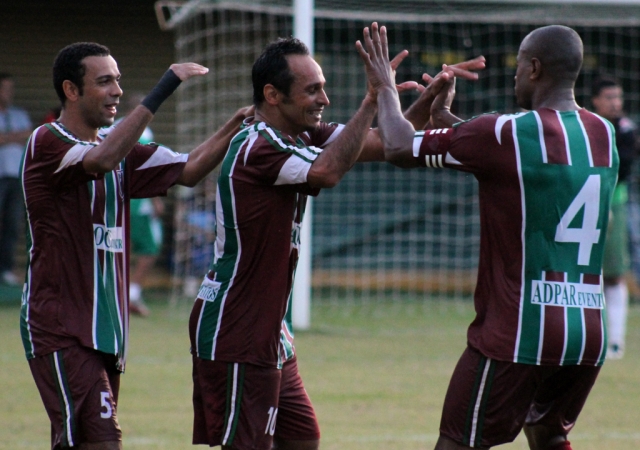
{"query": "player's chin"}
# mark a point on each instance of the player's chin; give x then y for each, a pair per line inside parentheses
(313, 123)
(312, 127)
(107, 121)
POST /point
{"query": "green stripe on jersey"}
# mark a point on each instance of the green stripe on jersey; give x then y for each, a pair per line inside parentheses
(305, 153)
(25, 333)
(110, 267)
(24, 306)
(578, 252)
(108, 326)
(225, 267)
(67, 138)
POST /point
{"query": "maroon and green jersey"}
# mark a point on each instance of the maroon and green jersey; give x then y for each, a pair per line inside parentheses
(545, 181)
(77, 285)
(261, 198)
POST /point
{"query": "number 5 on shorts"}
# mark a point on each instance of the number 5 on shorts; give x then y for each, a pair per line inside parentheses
(104, 402)
(588, 234)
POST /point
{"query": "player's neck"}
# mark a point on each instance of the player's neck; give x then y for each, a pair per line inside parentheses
(277, 122)
(77, 126)
(559, 99)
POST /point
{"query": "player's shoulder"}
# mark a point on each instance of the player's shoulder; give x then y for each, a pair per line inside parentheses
(56, 135)
(481, 119)
(323, 134)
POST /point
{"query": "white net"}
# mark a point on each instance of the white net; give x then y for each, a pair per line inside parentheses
(382, 232)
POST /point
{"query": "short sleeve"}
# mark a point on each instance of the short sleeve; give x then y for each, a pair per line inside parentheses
(468, 146)
(57, 158)
(153, 169)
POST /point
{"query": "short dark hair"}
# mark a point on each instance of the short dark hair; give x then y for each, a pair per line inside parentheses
(5, 76)
(603, 82)
(68, 65)
(559, 49)
(272, 67)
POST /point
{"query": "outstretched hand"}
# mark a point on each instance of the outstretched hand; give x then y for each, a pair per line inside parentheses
(375, 56)
(464, 69)
(432, 97)
(184, 71)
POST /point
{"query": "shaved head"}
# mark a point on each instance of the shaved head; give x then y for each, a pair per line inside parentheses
(559, 50)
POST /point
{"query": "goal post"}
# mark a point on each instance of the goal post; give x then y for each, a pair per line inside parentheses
(383, 233)
(301, 302)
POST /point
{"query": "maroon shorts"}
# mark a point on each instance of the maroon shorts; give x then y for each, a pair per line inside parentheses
(296, 417)
(244, 406)
(489, 401)
(79, 388)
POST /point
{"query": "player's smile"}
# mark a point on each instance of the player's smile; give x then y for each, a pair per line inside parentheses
(317, 114)
(112, 109)
(305, 103)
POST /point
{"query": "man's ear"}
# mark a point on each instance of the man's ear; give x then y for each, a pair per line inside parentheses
(271, 95)
(536, 69)
(70, 90)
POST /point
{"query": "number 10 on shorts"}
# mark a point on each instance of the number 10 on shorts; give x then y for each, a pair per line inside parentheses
(271, 423)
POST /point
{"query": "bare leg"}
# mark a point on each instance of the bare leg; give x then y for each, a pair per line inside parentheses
(444, 443)
(541, 438)
(144, 263)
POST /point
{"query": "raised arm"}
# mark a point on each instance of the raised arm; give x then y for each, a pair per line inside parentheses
(339, 156)
(396, 132)
(208, 155)
(419, 113)
(106, 156)
(441, 116)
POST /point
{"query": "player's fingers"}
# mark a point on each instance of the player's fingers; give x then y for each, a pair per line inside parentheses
(409, 86)
(368, 41)
(477, 63)
(375, 38)
(439, 82)
(384, 42)
(184, 71)
(461, 73)
(427, 78)
(362, 52)
(395, 62)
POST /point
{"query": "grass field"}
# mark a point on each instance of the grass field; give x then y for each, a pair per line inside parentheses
(376, 374)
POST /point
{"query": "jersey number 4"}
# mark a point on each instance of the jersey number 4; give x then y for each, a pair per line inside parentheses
(589, 234)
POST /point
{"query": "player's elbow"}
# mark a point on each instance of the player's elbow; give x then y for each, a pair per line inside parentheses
(398, 156)
(99, 165)
(188, 179)
(324, 178)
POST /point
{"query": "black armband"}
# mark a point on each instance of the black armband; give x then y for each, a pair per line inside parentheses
(165, 87)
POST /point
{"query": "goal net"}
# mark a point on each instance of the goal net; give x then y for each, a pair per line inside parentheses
(383, 232)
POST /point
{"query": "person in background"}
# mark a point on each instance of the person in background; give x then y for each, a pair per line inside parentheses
(51, 115)
(608, 100)
(146, 228)
(546, 177)
(15, 128)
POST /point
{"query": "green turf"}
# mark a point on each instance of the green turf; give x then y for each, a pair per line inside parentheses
(376, 375)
